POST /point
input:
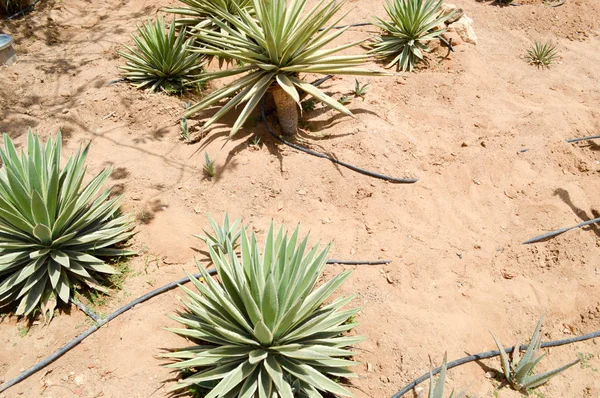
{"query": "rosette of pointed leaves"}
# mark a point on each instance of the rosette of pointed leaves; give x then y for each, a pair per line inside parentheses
(264, 330)
(519, 371)
(161, 59)
(53, 232)
(406, 34)
(274, 46)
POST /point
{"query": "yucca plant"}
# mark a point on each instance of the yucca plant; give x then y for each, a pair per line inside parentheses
(223, 236)
(54, 231)
(437, 390)
(275, 46)
(519, 372)
(264, 331)
(162, 59)
(406, 35)
(542, 55)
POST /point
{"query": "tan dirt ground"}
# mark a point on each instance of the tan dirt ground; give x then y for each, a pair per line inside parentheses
(459, 268)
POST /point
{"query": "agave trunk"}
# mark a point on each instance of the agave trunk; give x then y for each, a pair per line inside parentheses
(287, 111)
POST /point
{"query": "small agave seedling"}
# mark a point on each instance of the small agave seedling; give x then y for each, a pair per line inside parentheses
(263, 330)
(437, 390)
(209, 166)
(185, 131)
(519, 371)
(224, 236)
(542, 55)
(360, 91)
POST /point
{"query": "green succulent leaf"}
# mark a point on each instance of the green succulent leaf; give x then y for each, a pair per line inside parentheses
(53, 231)
(235, 318)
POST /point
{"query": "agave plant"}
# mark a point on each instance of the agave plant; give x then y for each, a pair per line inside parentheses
(518, 372)
(542, 55)
(53, 232)
(275, 46)
(224, 236)
(162, 59)
(437, 390)
(405, 37)
(264, 330)
(200, 14)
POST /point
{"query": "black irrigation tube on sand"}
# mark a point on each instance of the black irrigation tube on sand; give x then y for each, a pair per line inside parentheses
(376, 262)
(491, 354)
(334, 160)
(64, 349)
(101, 322)
(554, 233)
(23, 11)
(86, 310)
(591, 137)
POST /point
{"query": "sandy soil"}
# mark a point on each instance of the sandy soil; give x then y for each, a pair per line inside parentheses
(459, 268)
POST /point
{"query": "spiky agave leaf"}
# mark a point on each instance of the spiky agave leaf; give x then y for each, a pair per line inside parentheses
(276, 45)
(406, 35)
(161, 59)
(436, 390)
(542, 55)
(198, 13)
(264, 330)
(519, 372)
(223, 236)
(53, 231)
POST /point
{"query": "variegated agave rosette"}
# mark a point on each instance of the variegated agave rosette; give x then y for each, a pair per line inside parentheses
(264, 329)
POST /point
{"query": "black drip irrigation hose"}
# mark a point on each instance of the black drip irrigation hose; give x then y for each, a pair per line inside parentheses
(591, 137)
(491, 354)
(376, 262)
(86, 310)
(101, 322)
(554, 233)
(116, 81)
(23, 11)
(334, 160)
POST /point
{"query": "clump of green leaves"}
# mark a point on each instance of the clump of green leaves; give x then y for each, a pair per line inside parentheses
(223, 236)
(263, 329)
(161, 60)
(437, 390)
(406, 34)
(360, 90)
(185, 131)
(209, 166)
(54, 231)
(518, 372)
(542, 55)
